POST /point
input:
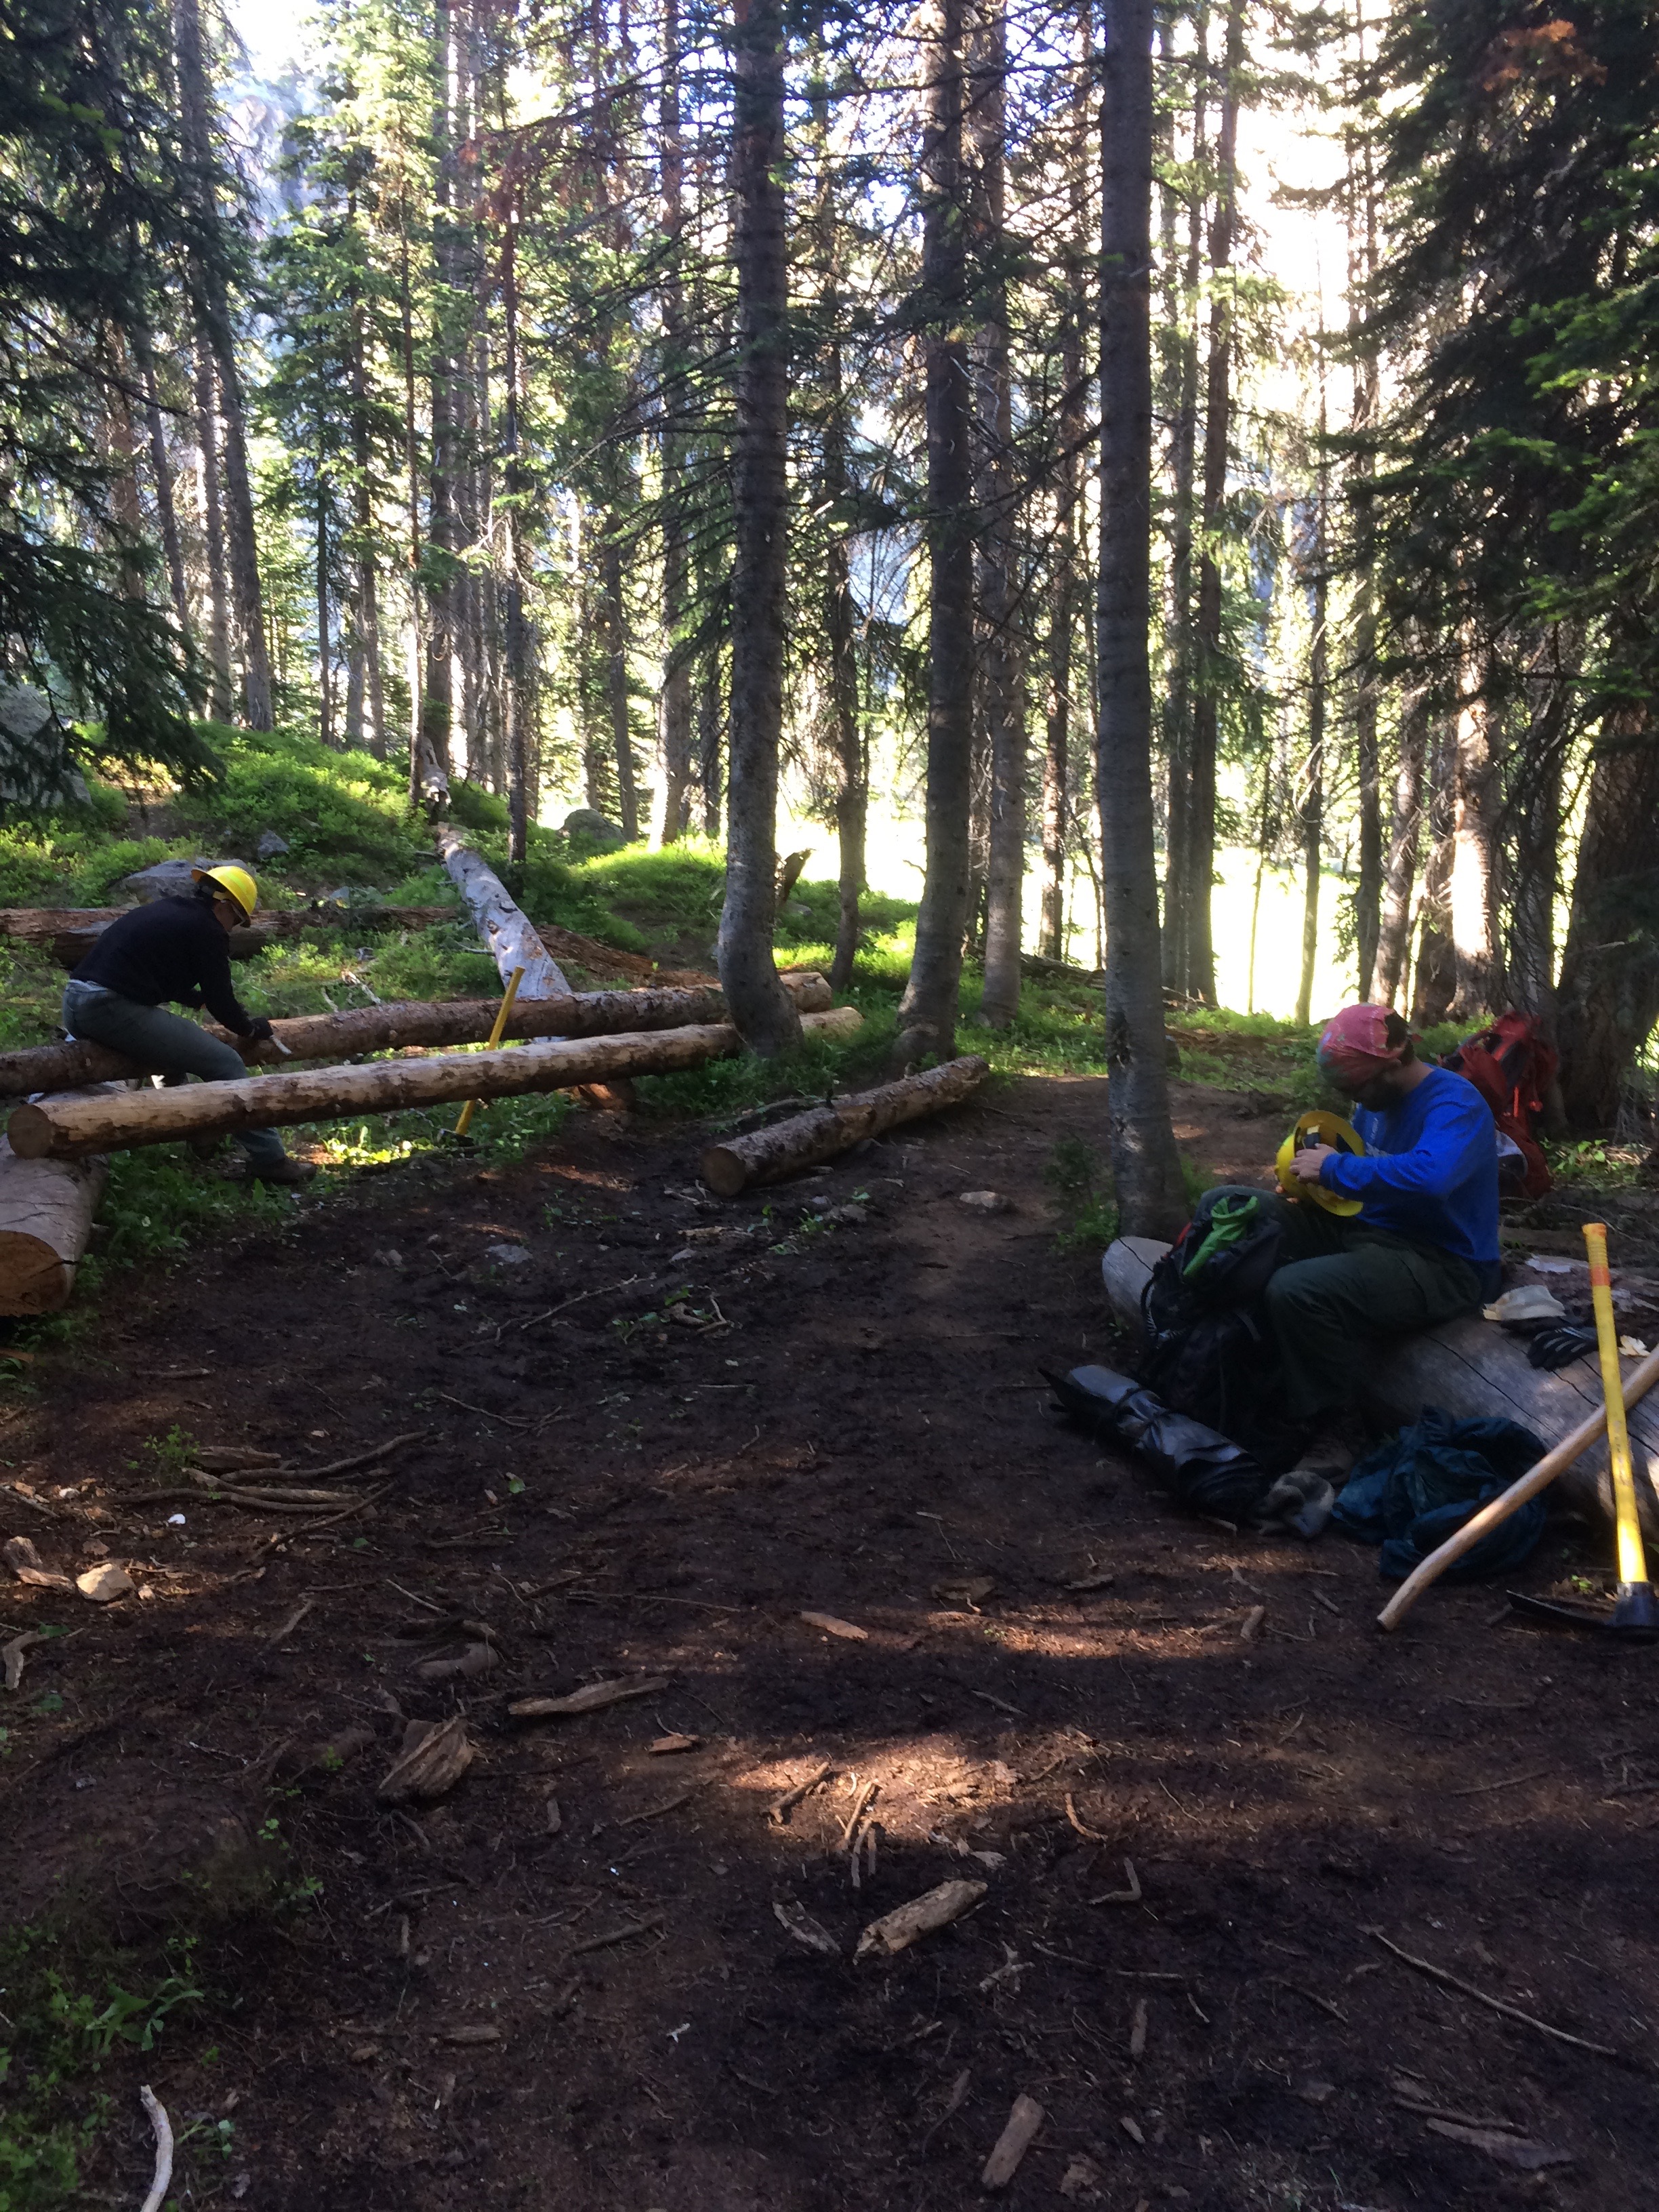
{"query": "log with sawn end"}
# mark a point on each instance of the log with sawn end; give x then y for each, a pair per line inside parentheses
(401, 1024)
(46, 1208)
(77, 1123)
(767, 1154)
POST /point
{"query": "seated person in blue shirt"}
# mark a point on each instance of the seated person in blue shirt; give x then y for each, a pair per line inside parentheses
(1422, 1249)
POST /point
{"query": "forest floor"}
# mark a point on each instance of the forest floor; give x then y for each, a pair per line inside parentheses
(355, 2008)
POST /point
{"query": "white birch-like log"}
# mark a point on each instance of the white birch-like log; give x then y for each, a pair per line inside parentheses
(507, 932)
(1471, 1369)
(77, 1123)
(785, 1148)
(46, 1209)
(403, 1023)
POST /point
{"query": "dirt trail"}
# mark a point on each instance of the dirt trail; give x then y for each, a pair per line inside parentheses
(472, 2010)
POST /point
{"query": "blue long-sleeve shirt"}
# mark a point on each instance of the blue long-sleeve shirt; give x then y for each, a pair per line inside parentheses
(1430, 1170)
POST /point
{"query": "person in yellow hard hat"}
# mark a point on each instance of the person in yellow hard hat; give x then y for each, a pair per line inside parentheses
(179, 949)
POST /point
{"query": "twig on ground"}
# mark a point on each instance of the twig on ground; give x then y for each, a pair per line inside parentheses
(1514, 1781)
(645, 1927)
(506, 1420)
(1093, 1835)
(1497, 2004)
(781, 1808)
(280, 1635)
(163, 2127)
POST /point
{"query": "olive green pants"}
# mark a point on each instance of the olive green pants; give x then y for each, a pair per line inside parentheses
(1341, 1289)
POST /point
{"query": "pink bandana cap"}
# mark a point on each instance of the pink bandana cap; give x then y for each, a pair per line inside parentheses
(1355, 1046)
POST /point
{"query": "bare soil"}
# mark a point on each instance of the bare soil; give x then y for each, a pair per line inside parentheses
(470, 2010)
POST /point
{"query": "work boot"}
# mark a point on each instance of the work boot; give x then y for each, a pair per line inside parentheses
(289, 1174)
(205, 1148)
(1299, 1503)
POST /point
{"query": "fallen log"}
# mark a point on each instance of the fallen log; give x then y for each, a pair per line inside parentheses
(403, 1022)
(70, 1127)
(1471, 1369)
(767, 1154)
(46, 1208)
(507, 932)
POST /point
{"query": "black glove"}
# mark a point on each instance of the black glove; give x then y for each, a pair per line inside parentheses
(260, 1031)
(1559, 1346)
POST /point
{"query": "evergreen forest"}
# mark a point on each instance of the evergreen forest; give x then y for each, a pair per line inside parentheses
(911, 419)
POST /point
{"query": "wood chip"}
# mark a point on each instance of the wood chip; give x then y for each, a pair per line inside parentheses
(1098, 1579)
(1252, 1624)
(26, 1564)
(1131, 2128)
(1025, 2122)
(433, 1763)
(971, 1593)
(923, 1916)
(482, 2033)
(831, 1626)
(231, 1459)
(1082, 2178)
(796, 1922)
(593, 1697)
(15, 1654)
(476, 1659)
(554, 1818)
(665, 1745)
(1138, 2030)
(781, 1808)
(1507, 2149)
(106, 1582)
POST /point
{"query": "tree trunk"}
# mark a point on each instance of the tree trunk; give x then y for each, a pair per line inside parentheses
(760, 1007)
(784, 1148)
(709, 779)
(928, 1012)
(370, 724)
(161, 471)
(615, 682)
(1404, 842)
(1433, 982)
(1362, 268)
(417, 765)
(46, 1209)
(1312, 809)
(324, 635)
(1004, 665)
(519, 669)
(1145, 1165)
(1178, 699)
(213, 534)
(674, 707)
(438, 682)
(1476, 855)
(72, 1125)
(852, 747)
(124, 502)
(508, 932)
(1217, 436)
(1609, 988)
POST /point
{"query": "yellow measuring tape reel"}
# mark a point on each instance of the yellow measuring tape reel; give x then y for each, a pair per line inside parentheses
(1318, 1127)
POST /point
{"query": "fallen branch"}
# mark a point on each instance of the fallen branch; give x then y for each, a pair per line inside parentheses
(645, 1927)
(163, 2127)
(781, 1808)
(1497, 2004)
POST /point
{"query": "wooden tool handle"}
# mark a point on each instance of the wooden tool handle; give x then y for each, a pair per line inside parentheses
(1492, 1515)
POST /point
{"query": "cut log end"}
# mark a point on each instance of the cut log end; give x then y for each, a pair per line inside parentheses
(46, 1209)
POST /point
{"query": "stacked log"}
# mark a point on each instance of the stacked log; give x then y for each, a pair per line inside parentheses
(76, 1125)
(404, 1023)
(46, 1209)
(767, 1154)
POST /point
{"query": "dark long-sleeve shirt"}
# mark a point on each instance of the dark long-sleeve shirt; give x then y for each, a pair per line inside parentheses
(171, 949)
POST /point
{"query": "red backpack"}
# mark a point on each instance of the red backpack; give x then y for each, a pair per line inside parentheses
(1511, 1065)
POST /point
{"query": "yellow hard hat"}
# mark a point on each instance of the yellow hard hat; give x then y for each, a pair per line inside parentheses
(235, 883)
(1327, 1129)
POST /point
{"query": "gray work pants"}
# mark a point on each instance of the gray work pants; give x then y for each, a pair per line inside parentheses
(168, 1043)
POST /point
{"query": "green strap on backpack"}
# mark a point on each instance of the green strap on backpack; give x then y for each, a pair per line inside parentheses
(1230, 1218)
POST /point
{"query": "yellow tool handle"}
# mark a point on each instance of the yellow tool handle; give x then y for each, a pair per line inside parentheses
(499, 1024)
(1632, 1561)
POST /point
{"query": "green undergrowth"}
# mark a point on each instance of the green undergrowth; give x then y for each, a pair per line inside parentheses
(65, 2011)
(1085, 1207)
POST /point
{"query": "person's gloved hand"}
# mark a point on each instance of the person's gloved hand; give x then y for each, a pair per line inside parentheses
(260, 1031)
(1559, 1347)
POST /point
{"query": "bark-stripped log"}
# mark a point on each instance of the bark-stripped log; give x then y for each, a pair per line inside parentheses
(508, 935)
(46, 1208)
(403, 1022)
(767, 1154)
(1471, 1369)
(70, 1127)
